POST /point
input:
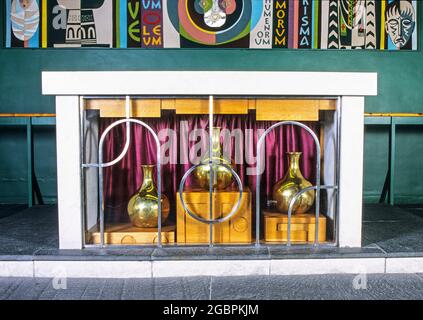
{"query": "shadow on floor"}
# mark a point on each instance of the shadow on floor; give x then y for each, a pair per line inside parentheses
(9, 209)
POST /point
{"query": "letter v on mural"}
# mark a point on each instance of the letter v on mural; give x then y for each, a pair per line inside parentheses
(255, 24)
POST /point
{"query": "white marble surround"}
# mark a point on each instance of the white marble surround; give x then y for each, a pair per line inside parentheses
(68, 86)
(187, 268)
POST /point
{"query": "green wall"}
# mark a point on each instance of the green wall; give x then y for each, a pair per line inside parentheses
(400, 90)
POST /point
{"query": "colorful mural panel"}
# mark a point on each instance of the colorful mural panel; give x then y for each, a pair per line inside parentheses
(255, 24)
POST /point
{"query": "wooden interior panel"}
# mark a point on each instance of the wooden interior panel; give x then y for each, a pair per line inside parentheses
(303, 227)
(235, 230)
(278, 109)
(327, 104)
(266, 109)
(126, 234)
(238, 229)
(221, 106)
(140, 108)
(168, 104)
(251, 104)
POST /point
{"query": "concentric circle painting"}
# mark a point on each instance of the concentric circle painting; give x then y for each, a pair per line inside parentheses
(214, 22)
(255, 24)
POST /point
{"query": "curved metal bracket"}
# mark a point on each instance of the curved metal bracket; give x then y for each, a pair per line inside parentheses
(125, 148)
(102, 165)
(291, 207)
(258, 169)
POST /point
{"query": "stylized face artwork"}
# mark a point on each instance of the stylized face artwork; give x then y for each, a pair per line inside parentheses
(215, 11)
(25, 3)
(25, 16)
(400, 22)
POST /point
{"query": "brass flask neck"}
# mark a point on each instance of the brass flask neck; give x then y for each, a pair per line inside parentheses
(147, 183)
(294, 164)
(216, 147)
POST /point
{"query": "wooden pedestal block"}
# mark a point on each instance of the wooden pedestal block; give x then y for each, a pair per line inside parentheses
(126, 234)
(235, 230)
(303, 227)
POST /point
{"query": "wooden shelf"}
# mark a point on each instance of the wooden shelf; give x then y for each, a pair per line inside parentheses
(126, 234)
(303, 227)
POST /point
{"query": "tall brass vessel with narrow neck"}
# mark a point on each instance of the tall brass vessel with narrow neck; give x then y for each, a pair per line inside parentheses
(222, 177)
(143, 207)
(293, 182)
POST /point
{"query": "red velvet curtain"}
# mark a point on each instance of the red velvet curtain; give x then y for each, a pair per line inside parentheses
(123, 179)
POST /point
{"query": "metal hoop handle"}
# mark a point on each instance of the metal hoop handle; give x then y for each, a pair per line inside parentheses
(193, 214)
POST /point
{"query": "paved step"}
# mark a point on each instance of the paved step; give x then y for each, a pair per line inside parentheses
(314, 287)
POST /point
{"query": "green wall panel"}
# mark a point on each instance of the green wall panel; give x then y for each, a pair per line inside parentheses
(376, 152)
(45, 161)
(409, 165)
(13, 164)
(400, 90)
(399, 72)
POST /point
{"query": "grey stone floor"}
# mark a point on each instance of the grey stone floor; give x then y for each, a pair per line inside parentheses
(32, 234)
(395, 230)
(322, 287)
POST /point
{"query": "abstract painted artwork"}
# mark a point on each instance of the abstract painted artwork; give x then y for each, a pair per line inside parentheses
(255, 24)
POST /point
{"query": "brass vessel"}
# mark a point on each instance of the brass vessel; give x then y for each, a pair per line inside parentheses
(143, 205)
(286, 188)
(222, 177)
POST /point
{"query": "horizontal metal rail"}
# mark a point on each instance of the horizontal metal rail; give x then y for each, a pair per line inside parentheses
(393, 114)
(26, 115)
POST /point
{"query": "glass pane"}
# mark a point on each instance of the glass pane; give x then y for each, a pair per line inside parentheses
(130, 186)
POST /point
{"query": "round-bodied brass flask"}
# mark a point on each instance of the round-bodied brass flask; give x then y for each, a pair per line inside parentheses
(222, 177)
(143, 205)
(286, 188)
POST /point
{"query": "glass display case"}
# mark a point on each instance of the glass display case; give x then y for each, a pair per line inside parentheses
(241, 170)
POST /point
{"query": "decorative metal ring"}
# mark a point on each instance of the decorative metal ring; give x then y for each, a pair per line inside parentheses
(193, 214)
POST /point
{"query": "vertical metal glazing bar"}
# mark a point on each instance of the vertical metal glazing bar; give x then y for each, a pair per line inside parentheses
(258, 177)
(159, 196)
(83, 169)
(317, 202)
(211, 169)
(288, 240)
(338, 157)
(30, 160)
(100, 191)
(159, 193)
